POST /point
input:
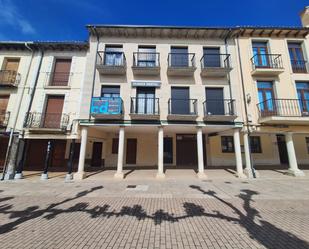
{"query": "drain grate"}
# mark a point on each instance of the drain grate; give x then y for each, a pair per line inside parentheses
(131, 186)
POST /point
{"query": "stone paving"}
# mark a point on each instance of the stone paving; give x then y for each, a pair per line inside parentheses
(177, 212)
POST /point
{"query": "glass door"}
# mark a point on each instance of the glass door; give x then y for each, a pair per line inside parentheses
(260, 53)
(145, 101)
(303, 96)
(267, 103)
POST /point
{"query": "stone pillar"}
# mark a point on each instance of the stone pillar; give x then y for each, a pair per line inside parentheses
(200, 153)
(80, 174)
(160, 173)
(69, 175)
(11, 159)
(237, 148)
(44, 175)
(119, 173)
(293, 167)
(20, 166)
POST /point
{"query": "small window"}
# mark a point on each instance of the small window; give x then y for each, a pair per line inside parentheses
(307, 144)
(115, 146)
(227, 144)
(110, 91)
(255, 144)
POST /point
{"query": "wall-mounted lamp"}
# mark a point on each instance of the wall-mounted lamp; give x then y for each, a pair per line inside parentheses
(248, 97)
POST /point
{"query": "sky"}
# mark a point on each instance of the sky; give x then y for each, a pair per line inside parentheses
(53, 20)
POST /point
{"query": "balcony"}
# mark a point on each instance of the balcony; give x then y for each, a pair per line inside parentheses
(4, 119)
(47, 122)
(215, 65)
(267, 65)
(146, 63)
(106, 108)
(145, 109)
(284, 111)
(182, 109)
(113, 63)
(181, 64)
(58, 80)
(299, 66)
(9, 78)
(219, 110)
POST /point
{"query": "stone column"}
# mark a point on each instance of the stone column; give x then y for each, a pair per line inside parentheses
(200, 153)
(69, 175)
(11, 158)
(80, 174)
(293, 167)
(44, 175)
(119, 173)
(20, 166)
(237, 148)
(160, 173)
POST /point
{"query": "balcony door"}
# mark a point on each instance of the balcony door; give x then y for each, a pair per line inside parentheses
(179, 57)
(266, 97)
(260, 53)
(303, 96)
(4, 100)
(212, 57)
(53, 112)
(180, 101)
(10, 70)
(214, 101)
(145, 102)
(146, 57)
(60, 76)
(113, 56)
(297, 58)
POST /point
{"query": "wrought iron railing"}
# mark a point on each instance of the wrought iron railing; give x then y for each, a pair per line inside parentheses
(106, 106)
(271, 61)
(145, 59)
(112, 59)
(145, 106)
(215, 61)
(284, 108)
(47, 120)
(4, 119)
(58, 78)
(9, 78)
(299, 66)
(182, 106)
(181, 60)
(225, 107)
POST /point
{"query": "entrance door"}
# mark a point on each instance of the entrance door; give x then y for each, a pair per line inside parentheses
(96, 160)
(180, 100)
(186, 150)
(145, 102)
(58, 155)
(36, 153)
(131, 151)
(283, 153)
(4, 141)
(53, 112)
(214, 101)
(168, 150)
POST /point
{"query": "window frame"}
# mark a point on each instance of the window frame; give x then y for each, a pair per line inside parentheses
(225, 139)
(258, 149)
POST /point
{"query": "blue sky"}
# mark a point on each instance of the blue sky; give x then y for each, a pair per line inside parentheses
(66, 19)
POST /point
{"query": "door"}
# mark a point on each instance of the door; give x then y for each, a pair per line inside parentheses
(113, 56)
(96, 159)
(53, 112)
(297, 58)
(214, 101)
(212, 57)
(186, 150)
(146, 57)
(36, 153)
(179, 57)
(267, 103)
(168, 150)
(283, 153)
(131, 151)
(4, 141)
(180, 101)
(10, 70)
(61, 73)
(303, 97)
(260, 53)
(58, 155)
(145, 102)
(4, 100)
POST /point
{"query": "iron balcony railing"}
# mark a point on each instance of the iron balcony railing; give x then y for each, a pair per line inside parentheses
(9, 78)
(112, 59)
(299, 66)
(106, 106)
(58, 79)
(47, 120)
(181, 60)
(271, 61)
(146, 59)
(145, 106)
(182, 106)
(4, 119)
(225, 107)
(215, 61)
(284, 108)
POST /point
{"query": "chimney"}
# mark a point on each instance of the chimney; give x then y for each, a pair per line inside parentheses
(304, 16)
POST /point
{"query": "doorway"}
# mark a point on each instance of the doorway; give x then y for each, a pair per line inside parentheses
(186, 150)
(96, 159)
(214, 101)
(180, 100)
(131, 151)
(283, 153)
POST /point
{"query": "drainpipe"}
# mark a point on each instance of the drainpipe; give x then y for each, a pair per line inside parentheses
(245, 103)
(226, 52)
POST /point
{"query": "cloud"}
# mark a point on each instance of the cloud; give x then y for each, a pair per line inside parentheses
(10, 15)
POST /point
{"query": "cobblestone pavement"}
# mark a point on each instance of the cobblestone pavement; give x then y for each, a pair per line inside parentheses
(155, 214)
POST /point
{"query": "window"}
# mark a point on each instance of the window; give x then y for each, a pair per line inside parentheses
(146, 57)
(266, 96)
(307, 144)
(113, 55)
(110, 91)
(260, 54)
(303, 96)
(61, 74)
(297, 58)
(227, 144)
(212, 57)
(255, 144)
(179, 57)
(115, 146)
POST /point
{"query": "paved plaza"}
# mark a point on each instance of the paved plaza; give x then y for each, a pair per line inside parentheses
(180, 211)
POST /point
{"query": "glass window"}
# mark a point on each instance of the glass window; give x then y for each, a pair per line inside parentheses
(227, 144)
(115, 146)
(110, 91)
(266, 97)
(260, 53)
(297, 58)
(255, 144)
(113, 55)
(146, 56)
(303, 95)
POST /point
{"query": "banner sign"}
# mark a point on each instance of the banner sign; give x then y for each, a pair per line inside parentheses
(103, 105)
(146, 83)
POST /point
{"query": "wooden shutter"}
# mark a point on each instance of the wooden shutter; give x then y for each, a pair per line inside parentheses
(3, 103)
(10, 70)
(61, 72)
(53, 112)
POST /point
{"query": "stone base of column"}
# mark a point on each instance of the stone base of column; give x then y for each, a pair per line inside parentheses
(44, 176)
(293, 172)
(119, 175)
(19, 176)
(241, 175)
(79, 176)
(201, 175)
(160, 175)
(9, 176)
(68, 177)
(248, 173)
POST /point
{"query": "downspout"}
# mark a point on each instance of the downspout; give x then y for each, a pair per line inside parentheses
(245, 103)
(226, 52)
